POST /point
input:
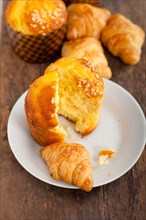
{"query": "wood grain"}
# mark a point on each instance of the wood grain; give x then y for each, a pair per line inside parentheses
(24, 197)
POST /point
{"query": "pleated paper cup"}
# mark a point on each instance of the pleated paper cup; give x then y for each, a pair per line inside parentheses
(92, 2)
(39, 48)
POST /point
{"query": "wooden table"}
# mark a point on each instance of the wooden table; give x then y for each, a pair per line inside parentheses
(24, 197)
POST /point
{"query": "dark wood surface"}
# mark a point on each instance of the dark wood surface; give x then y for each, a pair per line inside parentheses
(23, 197)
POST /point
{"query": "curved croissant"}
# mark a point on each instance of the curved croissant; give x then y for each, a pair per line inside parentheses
(85, 20)
(69, 162)
(123, 38)
(89, 49)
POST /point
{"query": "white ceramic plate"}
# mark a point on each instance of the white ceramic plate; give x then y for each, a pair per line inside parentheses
(121, 127)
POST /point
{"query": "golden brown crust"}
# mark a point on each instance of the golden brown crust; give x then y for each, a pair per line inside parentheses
(40, 108)
(109, 153)
(89, 49)
(85, 20)
(123, 38)
(36, 17)
(84, 75)
(69, 162)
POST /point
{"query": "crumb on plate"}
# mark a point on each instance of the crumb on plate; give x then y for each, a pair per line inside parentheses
(67, 128)
(109, 153)
(104, 156)
(103, 160)
(71, 137)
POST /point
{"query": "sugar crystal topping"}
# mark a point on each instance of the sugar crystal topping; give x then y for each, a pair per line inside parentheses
(44, 21)
(87, 64)
(92, 88)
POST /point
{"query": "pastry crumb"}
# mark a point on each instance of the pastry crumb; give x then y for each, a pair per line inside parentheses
(104, 156)
(109, 153)
(67, 128)
(103, 160)
(71, 137)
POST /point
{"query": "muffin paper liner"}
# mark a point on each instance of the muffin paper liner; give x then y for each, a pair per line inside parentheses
(92, 2)
(39, 48)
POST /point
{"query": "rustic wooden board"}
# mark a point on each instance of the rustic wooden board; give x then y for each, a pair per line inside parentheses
(24, 197)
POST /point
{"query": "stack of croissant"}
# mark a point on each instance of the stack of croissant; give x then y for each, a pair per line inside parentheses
(89, 27)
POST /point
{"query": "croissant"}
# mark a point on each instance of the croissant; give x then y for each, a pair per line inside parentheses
(69, 162)
(123, 38)
(85, 20)
(89, 49)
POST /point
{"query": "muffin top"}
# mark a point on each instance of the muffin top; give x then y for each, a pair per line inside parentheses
(36, 17)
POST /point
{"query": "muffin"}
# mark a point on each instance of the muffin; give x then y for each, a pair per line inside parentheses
(70, 87)
(37, 28)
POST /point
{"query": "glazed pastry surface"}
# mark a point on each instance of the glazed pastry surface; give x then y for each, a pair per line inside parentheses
(36, 17)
